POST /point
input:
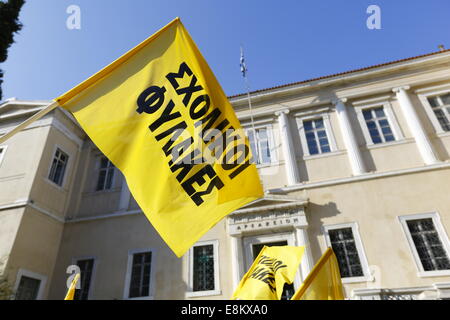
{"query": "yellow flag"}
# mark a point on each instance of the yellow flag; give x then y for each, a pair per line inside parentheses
(273, 267)
(71, 292)
(160, 116)
(323, 282)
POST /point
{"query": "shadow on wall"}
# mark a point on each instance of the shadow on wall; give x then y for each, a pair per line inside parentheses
(315, 213)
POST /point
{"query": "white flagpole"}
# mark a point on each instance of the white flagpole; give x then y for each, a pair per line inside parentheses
(30, 120)
(244, 73)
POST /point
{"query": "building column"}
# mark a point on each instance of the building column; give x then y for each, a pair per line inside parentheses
(237, 259)
(307, 261)
(125, 195)
(426, 149)
(353, 152)
(293, 176)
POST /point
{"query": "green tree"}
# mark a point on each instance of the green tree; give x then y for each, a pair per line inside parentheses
(6, 291)
(9, 25)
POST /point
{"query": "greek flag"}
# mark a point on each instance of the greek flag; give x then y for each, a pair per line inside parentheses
(243, 67)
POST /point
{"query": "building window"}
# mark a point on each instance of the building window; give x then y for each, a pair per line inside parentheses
(428, 242)
(28, 288)
(378, 125)
(86, 268)
(106, 174)
(140, 275)
(429, 247)
(316, 136)
(441, 108)
(204, 269)
(58, 167)
(263, 154)
(343, 245)
(346, 243)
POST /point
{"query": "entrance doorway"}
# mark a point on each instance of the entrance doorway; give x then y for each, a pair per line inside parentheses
(288, 290)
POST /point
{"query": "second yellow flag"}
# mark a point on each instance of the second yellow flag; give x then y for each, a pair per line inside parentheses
(268, 274)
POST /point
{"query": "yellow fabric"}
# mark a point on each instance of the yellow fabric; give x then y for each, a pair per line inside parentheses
(147, 112)
(273, 267)
(323, 282)
(71, 292)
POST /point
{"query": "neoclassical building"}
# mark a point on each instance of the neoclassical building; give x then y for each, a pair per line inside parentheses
(359, 161)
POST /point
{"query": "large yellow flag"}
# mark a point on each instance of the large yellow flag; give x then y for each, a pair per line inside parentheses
(273, 267)
(71, 292)
(323, 282)
(159, 114)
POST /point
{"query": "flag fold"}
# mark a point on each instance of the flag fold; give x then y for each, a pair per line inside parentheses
(160, 116)
(323, 282)
(270, 271)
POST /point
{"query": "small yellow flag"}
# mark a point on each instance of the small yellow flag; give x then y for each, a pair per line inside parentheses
(273, 267)
(71, 292)
(160, 116)
(323, 282)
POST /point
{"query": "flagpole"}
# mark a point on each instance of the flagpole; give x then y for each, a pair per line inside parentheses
(244, 73)
(30, 120)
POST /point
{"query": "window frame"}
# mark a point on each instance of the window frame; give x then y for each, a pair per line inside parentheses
(93, 274)
(270, 139)
(98, 170)
(2, 153)
(421, 273)
(43, 281)
(390, 116)
(367, 277)
(151, 290)
(325, 116)
(423, 95)
(190, 293)
(66, 171)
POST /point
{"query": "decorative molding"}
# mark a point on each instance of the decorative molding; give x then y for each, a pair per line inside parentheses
(367, 176)
(306, 113)
(46, 212)
(424, 144)
(337, 101)
(259, 122)
(371, 101)
(401, 88)
(433, 292)
(352, 76)
(266, 221)
(288, 147)
(105, 216)
(70, 135)
(280, 112)
(354, 153)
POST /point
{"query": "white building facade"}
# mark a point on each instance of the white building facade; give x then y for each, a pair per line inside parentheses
(357, 161)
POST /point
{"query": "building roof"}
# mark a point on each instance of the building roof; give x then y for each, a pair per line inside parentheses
(341, 73)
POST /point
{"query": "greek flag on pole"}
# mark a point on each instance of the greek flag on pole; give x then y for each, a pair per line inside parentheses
(243, 67)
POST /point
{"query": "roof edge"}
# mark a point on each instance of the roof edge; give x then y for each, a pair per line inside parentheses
(340, 73)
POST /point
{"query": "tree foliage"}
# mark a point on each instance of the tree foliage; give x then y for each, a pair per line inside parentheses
(9, 25)
(6, 291)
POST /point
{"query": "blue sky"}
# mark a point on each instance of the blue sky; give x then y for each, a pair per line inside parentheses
(284, 41)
